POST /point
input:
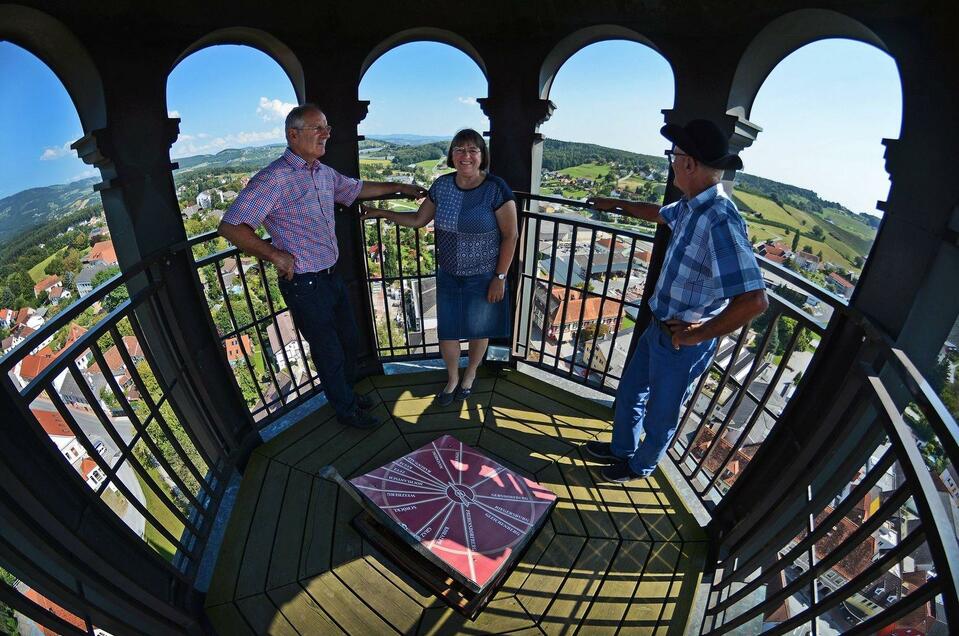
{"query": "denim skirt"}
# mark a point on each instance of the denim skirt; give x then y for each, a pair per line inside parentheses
(462, 311)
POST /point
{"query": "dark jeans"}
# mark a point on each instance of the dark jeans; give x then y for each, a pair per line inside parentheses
(321, 311)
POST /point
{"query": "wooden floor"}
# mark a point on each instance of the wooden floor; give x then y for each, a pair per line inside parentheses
(610, 558)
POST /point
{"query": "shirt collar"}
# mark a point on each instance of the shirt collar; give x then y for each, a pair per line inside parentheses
(704, 198)
(298, 162)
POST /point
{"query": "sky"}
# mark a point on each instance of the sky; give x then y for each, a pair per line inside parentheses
(610, 93)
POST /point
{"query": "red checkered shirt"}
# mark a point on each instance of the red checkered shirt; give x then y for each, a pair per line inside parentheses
(295, 204)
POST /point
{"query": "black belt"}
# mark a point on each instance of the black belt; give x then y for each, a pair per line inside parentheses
(323, 272)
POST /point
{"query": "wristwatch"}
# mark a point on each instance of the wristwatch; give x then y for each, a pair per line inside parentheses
(501, 276)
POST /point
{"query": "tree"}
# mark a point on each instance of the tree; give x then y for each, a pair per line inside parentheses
(115, 297)
(807, 248)
(795, 241)
(54, 267)
(79, 241)
(7, 298)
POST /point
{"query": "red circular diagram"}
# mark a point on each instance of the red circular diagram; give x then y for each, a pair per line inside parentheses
(466, 511)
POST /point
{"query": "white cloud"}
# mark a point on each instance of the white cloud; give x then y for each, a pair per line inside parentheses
(467, 100)
(191, 145)
(56, 153)
(273, 109)
(173, 113)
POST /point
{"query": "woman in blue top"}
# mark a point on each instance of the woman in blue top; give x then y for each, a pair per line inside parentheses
(476, 233)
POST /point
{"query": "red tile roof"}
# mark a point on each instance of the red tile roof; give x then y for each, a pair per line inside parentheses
(53, 423)
(840, 280)
(102, 251)
(55, 609)
(611, 308)
(73, 334)
(33, 364)
(45, 283)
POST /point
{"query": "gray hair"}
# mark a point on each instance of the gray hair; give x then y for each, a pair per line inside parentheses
(295, 118)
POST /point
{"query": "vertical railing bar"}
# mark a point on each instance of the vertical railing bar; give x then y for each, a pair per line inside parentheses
(585, 301)
(419, 288)
(256, 328)
(619, 316)
(566, 288)
(547, 319)
(613, 241)
(386, 300)
(402, 281)
(272, 318)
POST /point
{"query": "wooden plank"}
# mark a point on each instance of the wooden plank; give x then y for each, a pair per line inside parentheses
(288, 542)
(397, 447)
(295, 448)
(399, 579)
(587, 498)
(394, 606)
(302, 612)
(256, 560)
(595, 420)
(544, 423)
(501, 616)
(429, 390)
(565, 517)
(347, 543)
(578, 403)
(293, 435)
(644, 495)
(408, 379)
(472, 415)
(682, 594)
(680, 517)
(618, 589)
(512, 455)
(531, 438)
(347, 441)
(227, 619)
(527, 563)
(264, 617)
(646, 611)
(230, 559)
(318, 538)
(548, 576)
(344, 607)
(428, 406)
(573, 601)
(469, 436)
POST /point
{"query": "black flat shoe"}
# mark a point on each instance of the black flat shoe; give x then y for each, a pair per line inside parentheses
(601, 451)
(462, 392)
(444, 399)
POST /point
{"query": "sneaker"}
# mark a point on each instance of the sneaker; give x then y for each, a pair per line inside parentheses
(359, 419)
(601, 451)
(365, 402)
(620, 473)
(444, 399)
(462, 392)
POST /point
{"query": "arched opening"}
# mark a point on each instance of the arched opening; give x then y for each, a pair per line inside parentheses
(407, 133)
(584, 281)
(232, 101)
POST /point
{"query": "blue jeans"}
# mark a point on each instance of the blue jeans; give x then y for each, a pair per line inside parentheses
(652, 391)
(321, 311)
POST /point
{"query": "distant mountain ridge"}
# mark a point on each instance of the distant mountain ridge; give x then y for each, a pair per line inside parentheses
(28, 209)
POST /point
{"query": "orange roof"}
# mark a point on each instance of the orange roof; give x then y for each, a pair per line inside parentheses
(53, 423)
(87, 466)
(115, 360)
(611, 308)
(24, 314)
(776, 258)
(33, 364)
(55, 609)
(73, 334)
(102, 251)
(49, 281)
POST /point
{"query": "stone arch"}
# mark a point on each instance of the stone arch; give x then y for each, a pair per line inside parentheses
(421, 34)
(64, 54)
(781, 37)
(578, 40)
(260, 40)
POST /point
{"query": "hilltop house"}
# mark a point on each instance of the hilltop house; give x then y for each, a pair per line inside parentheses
(46, 285)
(102, 253)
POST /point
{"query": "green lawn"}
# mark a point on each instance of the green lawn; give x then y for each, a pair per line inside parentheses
(158, 509)
(586, 171)
(431, 164)
(36, 272)
(770, 210)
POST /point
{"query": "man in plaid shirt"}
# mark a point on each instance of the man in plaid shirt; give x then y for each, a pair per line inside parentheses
(294, 199)
(710, 285)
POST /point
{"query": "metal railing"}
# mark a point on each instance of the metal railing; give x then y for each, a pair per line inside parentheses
(123, 429)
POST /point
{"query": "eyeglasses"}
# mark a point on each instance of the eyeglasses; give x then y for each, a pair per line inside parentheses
(326, 129)
(460, 150)
(672, 154)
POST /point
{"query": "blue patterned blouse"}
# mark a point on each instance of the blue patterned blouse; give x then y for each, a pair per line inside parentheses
(467, 234)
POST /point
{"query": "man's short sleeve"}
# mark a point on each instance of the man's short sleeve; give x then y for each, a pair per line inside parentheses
(734, 265)
(345, 189)
(254, 202)
(669, 213)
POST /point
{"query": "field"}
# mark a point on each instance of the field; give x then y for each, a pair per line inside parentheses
(379, 163)
(432, 164)
(163, 515)
(36, 272)
(586, 171)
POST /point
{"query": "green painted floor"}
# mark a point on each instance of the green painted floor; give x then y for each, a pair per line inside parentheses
(610, 558)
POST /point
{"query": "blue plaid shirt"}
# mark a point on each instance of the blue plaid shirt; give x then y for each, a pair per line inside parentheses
(708, 260)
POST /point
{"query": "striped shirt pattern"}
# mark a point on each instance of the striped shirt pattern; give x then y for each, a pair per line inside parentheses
(295, 204)
(708, 260)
